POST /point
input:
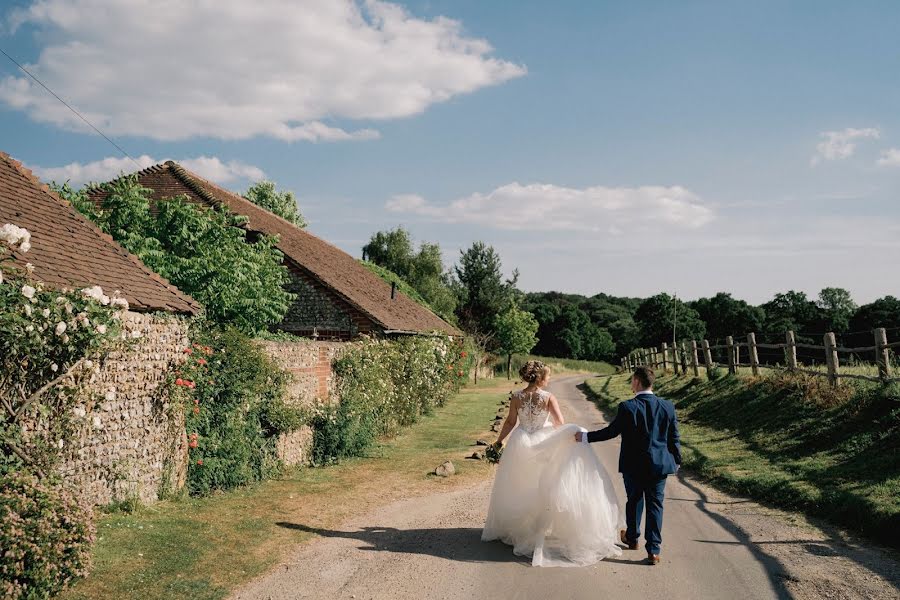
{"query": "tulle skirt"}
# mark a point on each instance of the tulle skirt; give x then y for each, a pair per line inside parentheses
(553, 500)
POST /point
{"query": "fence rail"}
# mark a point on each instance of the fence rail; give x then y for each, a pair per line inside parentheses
(686, 356)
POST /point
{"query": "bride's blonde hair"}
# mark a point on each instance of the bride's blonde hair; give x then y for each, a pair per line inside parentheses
(534, 371)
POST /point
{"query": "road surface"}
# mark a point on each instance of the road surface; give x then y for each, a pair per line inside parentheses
(714, 546)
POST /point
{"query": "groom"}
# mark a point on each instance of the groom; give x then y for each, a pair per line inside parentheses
(650, 452)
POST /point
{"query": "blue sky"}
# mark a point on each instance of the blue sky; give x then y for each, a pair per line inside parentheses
(627, 148)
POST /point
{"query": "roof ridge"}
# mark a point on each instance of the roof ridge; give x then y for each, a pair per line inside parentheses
(34, 180)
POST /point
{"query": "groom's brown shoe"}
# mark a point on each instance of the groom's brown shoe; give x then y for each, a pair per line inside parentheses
(629, 545)
(652, 559)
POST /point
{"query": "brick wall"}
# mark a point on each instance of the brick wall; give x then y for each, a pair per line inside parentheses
(128, 442)
(312, 381)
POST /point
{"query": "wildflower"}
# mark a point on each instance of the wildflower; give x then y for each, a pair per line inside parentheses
(196, 410)
(188, 351)
(179, 381)
(463, 354)
(28, 291)
(29, 328)
(46, 313)
(60, 328)
(27, 310)
(193, 444)
(200, 461)
(101, 329)
(54, 367)
(201, 361)
(29, 268)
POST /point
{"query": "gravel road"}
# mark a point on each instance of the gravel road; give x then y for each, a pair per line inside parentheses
(714, 546)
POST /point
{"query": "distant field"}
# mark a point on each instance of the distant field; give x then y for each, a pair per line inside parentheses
(792, 441)
(558, 365)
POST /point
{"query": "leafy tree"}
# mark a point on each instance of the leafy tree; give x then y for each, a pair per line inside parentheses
(838, 308)
(655, 317)
(283, 204)
(423, 270)
(202, 251)
(515, 334)
(483, 292)
(791, 311)
(884, 312)
(725, 315)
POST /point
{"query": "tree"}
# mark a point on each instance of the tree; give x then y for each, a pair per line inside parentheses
(515, 332)
(838, 308)
(726, 316)
(791, 311)
(656, 315)
(884, 312)
(483, 292)
(283, 204)
(203, 251)
(423, 270)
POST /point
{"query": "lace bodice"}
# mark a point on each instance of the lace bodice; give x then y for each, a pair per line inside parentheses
(534, 409)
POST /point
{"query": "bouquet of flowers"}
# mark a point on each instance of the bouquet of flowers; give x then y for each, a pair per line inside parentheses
(493, 452)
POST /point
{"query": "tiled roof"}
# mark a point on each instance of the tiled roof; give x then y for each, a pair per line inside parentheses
(70, 251)
(326, 263)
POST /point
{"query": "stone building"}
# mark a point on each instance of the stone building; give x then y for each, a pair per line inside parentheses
(128, 442)
(337, 297)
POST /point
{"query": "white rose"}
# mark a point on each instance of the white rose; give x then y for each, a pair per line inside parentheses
(29, 329)
(97, 423)
(27, 310)
(88, 364)
(65, 338)
(60, 328)
(60, 444)
(54, 367)
(79, 412)
(1, 276)
(28, 291)
(25, 247)
(101, 329)
(29, 268)
(46, 313)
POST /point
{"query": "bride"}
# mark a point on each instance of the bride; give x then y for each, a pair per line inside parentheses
(552, 499)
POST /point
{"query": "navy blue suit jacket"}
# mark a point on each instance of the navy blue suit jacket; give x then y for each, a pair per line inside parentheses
(651, 444)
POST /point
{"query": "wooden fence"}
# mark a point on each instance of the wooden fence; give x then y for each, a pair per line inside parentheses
(692, 355)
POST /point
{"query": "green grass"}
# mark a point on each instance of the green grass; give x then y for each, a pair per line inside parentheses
(205, 547)
(791, 441)
(558, 365)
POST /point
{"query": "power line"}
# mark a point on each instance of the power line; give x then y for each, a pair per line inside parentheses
(67, 105)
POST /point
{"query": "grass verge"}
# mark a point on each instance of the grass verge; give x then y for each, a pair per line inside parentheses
(790, 441)
(206, 547)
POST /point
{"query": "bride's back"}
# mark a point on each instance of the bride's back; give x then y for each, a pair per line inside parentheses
(533, 409)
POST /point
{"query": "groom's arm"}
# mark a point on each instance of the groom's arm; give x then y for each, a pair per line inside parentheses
(675, 439)
(610, 431)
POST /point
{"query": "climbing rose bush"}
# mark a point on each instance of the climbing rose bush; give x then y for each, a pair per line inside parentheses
(383, 386)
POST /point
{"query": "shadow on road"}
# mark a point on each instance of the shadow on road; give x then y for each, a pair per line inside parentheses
(456, 543)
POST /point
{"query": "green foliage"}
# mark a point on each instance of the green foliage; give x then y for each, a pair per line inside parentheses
(482, 291)
(233, 397)
(44, 335)
(391, 277)
(655, 317)
(515, 332)
(838, 308)
(423, 270)
(202, 251)
(884, 312)
(283, 204)
(791, 311)
(726, 316)
(45, 535)
(385, 385)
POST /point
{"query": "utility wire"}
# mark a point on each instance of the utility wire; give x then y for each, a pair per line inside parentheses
(67, 105)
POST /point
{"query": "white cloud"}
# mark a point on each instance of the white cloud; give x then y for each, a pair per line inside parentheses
(232, 69)
(613, 211)
(210, 167)
(838, 145)
(889, 158)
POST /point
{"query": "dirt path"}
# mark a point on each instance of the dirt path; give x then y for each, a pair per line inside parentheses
(714, 546)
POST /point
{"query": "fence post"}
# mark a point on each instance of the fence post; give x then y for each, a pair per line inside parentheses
(732, 368)
(882, 355)
(665, 357)
(707, 358)
(754, 355)
(694, 360)
(790, 351)
(675, 358)
(684, 360)
(831, 358)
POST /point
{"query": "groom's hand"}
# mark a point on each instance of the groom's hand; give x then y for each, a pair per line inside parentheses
(579, 437)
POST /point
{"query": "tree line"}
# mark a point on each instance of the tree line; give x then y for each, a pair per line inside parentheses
(474, 295)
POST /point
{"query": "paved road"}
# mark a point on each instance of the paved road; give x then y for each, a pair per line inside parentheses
(714, 546)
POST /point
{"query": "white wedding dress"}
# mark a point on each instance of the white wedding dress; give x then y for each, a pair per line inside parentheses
(552, 499)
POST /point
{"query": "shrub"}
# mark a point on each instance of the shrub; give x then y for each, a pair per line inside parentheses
(234, 409)
(45, 536)
(383, 386)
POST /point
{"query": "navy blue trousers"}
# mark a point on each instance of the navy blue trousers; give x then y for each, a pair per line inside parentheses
(644, 492)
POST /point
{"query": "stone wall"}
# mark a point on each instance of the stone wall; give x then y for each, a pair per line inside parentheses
(312, 381)
(128, 442)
